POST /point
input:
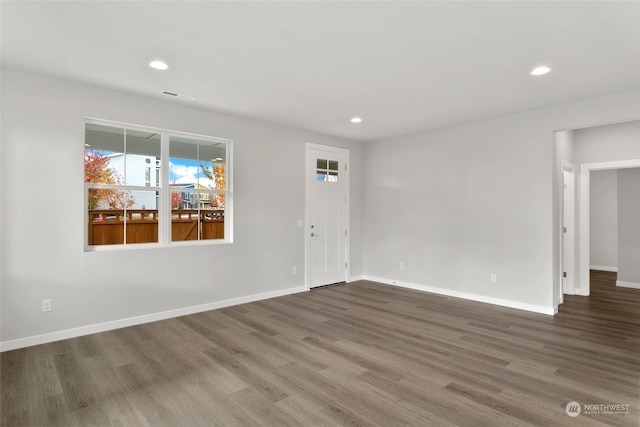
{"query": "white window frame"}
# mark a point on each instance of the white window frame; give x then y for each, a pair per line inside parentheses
(164, 192)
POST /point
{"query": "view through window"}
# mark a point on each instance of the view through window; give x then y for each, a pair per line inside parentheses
(145, 185)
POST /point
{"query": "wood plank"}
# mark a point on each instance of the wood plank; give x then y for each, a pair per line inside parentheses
(355, 354)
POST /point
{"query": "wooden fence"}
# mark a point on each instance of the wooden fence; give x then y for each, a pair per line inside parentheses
(107, 226)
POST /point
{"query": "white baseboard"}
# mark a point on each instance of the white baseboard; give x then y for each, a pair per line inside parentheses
(631, 285)
(557, 304)
(603, 268)
(138, 320)
(356, 278)
(466, 295)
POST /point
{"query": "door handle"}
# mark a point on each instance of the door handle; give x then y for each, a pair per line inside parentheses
(314, 235)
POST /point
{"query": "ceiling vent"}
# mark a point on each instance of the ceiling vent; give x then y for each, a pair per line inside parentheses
(178, 95)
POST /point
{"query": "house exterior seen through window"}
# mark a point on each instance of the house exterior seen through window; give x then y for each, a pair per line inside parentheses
(154, 187)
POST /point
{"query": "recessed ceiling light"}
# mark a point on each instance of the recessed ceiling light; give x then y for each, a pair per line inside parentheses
(158, 65)
(538, 71)
(356, 120)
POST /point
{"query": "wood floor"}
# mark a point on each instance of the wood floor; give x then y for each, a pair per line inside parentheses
(355, 354)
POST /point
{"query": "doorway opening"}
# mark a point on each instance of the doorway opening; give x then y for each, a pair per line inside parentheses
(584, 238)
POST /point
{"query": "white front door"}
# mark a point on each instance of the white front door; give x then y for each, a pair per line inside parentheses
(326, 222)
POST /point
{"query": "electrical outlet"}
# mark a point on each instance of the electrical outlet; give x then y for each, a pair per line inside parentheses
(402, 266)
(294, 270)
(46, 305)
(493, 278)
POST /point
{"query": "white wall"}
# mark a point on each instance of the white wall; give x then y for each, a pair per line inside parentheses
(617, 141)
(460, 203)
(603, 220)
(629, 227)
(42, 214)
(564, 145)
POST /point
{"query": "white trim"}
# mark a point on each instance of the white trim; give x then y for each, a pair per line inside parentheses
(466, 295)
(567, 240)
(164, 230)
(138, 320)
(583, 287)
(585, 172)
(631, 285)
(356, 278)
(228, 197)
(603, 268)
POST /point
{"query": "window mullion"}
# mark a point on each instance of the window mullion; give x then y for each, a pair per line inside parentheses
(125, 179)
(198, 194)
(164, 211)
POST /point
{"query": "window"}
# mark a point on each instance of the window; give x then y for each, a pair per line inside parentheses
(186, 198)
(327, 170)
(198, 193)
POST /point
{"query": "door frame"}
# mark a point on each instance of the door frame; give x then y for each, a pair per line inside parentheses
(307, 207)
(568, 252)
(585, 173)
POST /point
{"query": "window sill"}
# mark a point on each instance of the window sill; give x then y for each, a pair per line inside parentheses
(146, 246)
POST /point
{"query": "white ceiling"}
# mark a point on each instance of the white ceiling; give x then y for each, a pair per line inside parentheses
(401, 66)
